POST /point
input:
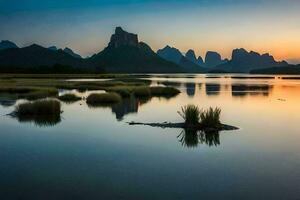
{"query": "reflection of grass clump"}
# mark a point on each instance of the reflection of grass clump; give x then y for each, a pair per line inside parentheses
(69, 98)
(164, 91)
(190, 114)
(194, 116)
(105, 98)
(211, 117)
(142, 92)
(42, 112)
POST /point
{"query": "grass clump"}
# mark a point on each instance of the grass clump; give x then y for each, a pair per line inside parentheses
(96, 99)
(121, 90)
(142, 92)
(30, 93)
(164, 91)
(69, 98)
(40, 107)
(41, 112)
(190, 114)
(193, 117)
(211, 117)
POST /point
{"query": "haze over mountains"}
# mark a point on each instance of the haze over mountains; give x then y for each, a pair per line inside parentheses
(126, 54)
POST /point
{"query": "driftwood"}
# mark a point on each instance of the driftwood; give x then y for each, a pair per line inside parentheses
(198, 127)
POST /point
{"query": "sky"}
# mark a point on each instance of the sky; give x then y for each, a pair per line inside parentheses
(203, 25)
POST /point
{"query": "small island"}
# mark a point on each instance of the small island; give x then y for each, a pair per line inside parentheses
(195, 119)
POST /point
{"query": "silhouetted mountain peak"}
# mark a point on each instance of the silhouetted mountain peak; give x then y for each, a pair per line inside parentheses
(200, 60)
(190, 55)
(53, 48)
(174, 55)
(123, 38)
(6, 44)
(170, 53)
(71, 52)
(244, 61)
(213, 59)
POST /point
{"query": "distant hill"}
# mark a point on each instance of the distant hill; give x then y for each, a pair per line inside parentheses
(66, 50)
(191, 56)
(213, 59)
(71, 52)
(6, 44)
(291, 69)
(37, 56)
(125, 54)
(174, 55)
(244, 61)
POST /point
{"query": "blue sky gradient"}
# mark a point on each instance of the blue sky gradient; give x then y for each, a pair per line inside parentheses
(220, 25)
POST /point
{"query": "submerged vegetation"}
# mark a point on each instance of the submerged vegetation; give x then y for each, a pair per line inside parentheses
(97, 99)
(42, 112)
(69, 98)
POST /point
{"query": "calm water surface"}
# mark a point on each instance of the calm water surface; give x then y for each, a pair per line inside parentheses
(92, 153)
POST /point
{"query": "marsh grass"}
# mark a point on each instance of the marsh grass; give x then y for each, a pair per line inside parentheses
(211, 117)
(30, 93)
(190, 114)
(40, 107)
(164, 91)
(41, 112)
(142, 92)
(193, 116)
(124, 91)
(39, 88)
(69, 98)
(96, 99)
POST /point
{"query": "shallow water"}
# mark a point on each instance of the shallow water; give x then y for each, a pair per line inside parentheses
(92, 153)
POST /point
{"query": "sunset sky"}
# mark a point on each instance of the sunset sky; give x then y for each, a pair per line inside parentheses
(261, 25)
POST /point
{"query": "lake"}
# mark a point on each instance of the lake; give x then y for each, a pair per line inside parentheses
(92, 153)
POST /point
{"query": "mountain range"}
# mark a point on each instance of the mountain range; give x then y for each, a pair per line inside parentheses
(189, 60)
(126, 54)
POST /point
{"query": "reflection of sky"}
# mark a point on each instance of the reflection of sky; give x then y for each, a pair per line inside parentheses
(90, 150)
(221, 25)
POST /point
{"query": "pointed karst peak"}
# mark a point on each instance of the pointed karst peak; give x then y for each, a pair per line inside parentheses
(123, 38)
(190, 55)
(119, 30)
(212, 59)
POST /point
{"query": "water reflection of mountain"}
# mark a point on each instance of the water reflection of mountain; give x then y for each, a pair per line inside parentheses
(243, 90)
(190, 89)
(191, 138)
(212, 88)
(127, 106)
(171, 83)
